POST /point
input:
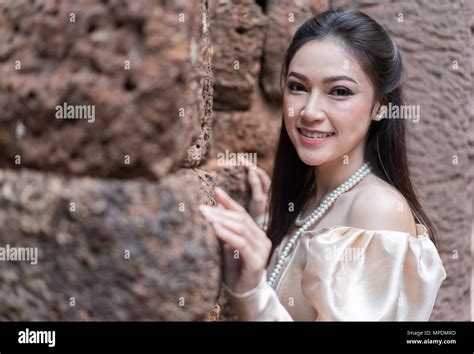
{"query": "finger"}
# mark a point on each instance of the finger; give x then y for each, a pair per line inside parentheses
(227, 201)
(233, 240)
(232, 220)
(239, 229)
(256, 185)
(218, 213)
(250, 256)
(246, 255)
(235, 222)
(249, 165)
(266, 181)
(218, 205)
(232, 225)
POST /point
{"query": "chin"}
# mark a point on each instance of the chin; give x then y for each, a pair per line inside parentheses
(310, 160)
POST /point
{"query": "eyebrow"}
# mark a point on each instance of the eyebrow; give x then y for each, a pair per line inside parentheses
(326, 80)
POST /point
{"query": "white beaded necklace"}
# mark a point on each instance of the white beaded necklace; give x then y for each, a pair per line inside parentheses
(312, 218)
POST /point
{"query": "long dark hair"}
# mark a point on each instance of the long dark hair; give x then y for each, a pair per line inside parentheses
(379, 57)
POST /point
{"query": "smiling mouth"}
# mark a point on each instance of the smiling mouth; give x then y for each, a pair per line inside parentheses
(314, 135)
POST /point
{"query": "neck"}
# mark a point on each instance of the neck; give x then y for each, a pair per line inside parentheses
(332, 174)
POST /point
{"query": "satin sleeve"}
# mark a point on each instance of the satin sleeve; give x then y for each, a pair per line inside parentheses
(356, 275)
(359, 275)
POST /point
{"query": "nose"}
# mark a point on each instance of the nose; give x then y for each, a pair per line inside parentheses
(313, 110)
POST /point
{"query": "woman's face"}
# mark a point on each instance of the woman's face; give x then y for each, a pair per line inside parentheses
(326, 92)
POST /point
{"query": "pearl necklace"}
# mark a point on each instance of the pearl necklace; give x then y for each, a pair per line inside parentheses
(316, 215)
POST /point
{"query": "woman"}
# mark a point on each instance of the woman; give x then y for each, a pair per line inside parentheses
(347, 238)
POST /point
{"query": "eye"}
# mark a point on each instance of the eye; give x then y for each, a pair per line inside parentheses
(296, 87)
(341, 92)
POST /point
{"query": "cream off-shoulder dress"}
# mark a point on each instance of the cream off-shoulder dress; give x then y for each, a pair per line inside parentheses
(342, 273)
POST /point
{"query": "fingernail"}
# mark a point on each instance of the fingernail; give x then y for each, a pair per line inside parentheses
(205, 209)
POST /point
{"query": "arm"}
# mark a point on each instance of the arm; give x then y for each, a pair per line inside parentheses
(259, 304)
(260, 184)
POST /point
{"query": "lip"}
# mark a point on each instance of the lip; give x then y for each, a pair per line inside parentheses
(308, 140)
(314, 131)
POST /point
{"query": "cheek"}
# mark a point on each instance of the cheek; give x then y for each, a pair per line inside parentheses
(292, 106)
(289, 108)
(351, 119)
(290, 111)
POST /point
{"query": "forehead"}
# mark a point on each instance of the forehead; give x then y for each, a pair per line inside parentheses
(319, 59)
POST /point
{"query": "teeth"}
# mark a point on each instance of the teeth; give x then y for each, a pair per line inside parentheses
(314, 135)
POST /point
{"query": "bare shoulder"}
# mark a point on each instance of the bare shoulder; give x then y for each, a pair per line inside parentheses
(379, 206)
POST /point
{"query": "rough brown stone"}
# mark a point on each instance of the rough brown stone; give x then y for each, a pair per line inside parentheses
(198, 150)
(253, 132)
(83, 249)
(214, 314)
(432, 35)
(232, 179)
(237, 34)
(151, 111)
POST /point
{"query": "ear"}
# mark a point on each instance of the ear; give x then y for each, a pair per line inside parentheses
(378, 111)
(375, 109)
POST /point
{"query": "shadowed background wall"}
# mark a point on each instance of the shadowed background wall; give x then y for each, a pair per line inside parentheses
(112, 205)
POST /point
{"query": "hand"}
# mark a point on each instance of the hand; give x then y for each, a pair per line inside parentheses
(260, 184)
(246, 246)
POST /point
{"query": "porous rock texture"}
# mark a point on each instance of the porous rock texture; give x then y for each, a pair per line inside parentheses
(144, 67)
(108, 249)
(112, 205)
